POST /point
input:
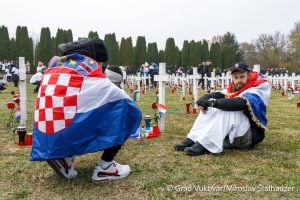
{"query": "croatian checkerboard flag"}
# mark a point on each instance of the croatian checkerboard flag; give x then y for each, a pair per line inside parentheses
(78, 110)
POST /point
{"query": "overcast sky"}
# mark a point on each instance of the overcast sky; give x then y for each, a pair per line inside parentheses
(157, 20)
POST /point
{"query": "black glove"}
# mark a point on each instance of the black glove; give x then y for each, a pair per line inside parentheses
(205, 104)
(202, 103)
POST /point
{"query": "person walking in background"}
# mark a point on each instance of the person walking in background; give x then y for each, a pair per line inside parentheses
(15, 73)
(8, 72)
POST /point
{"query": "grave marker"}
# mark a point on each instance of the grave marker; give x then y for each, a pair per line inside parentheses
(22, 87)
(162, 78)
(195, 78)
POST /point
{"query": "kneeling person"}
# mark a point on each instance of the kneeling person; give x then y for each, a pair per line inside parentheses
(79, 111)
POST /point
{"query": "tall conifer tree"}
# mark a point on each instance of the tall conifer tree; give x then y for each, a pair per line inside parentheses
(185, 54)
(4, 44)
(140, 52)
(170, 53)
(113, 49)
(152, 53)
(216, 54)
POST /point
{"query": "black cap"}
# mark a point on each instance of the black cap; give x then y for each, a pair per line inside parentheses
(240, 67)
(93, 48)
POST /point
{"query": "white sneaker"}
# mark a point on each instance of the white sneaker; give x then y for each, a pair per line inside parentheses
(113, 172)
(64, 167)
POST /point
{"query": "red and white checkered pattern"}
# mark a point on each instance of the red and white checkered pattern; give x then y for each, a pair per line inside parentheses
(56, 104)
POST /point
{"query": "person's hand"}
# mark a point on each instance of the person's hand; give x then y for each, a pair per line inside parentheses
(202, 105)
(203, 109)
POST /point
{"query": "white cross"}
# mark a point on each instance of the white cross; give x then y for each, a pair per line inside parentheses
(138, 80)
(223, 77)
(256, 68)
(293, 80)
(183, 79)
(195, 78)
(22, 87)
(162, 78)
(213, 80)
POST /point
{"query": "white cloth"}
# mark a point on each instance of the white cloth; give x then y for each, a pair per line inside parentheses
(36, 77)
(210, 129)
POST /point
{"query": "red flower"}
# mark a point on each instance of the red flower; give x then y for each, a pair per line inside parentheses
(10, 105)
(154, 105)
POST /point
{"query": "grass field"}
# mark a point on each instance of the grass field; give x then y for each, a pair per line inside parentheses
(159, 172)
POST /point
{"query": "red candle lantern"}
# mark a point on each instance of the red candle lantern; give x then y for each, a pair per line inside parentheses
(188, 105)
(28, 139)
(194, 111)
(154, 133)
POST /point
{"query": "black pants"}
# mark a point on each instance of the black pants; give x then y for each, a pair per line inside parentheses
(109, 154)
(15, 79)
(36, 89)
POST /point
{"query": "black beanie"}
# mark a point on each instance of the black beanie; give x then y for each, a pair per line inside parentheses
(93, 48)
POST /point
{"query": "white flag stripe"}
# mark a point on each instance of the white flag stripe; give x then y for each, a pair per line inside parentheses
(72, 91)
(263, 91)
(100, 88)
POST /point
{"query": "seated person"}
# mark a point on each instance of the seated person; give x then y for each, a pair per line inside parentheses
(3, 85)
(232, 118)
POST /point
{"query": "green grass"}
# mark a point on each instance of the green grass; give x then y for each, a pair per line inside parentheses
(156, 167)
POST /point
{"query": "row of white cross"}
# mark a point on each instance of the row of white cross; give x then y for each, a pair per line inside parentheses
(163, 78)
(285, 82)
